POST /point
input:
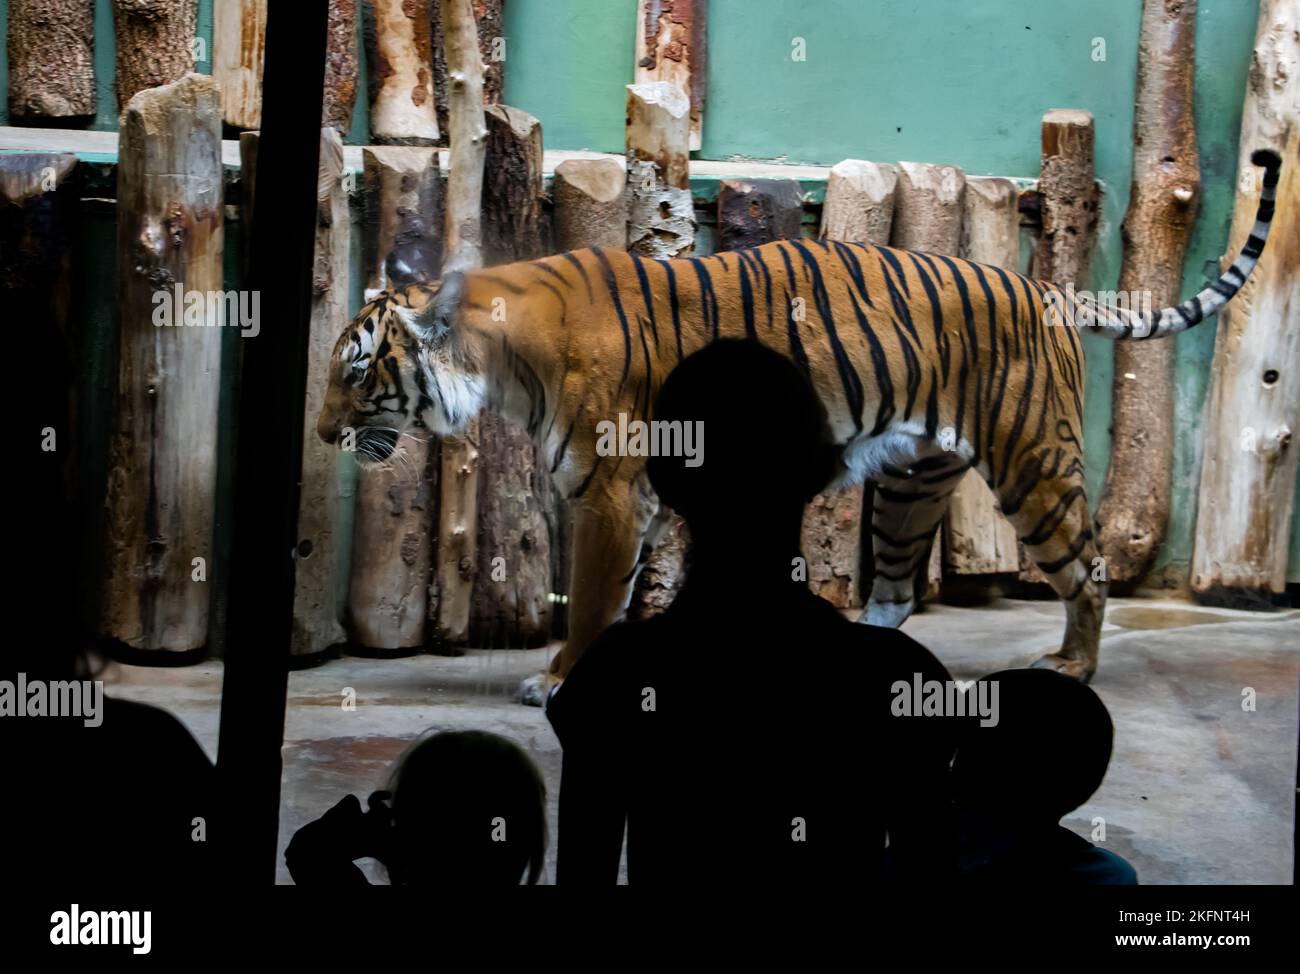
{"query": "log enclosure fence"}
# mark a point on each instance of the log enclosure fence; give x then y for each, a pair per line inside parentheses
(464, 543)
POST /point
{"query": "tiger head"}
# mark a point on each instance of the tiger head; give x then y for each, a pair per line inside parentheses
(401, 364)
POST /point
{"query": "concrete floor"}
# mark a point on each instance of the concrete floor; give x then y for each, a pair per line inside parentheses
(1199, 791)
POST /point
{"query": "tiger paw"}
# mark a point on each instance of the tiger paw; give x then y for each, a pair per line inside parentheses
(1078, 669)
(534, 691)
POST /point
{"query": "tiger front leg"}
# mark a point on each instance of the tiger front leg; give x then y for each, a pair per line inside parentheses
(610, 524)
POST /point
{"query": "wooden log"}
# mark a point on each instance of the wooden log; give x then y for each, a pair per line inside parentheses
(672, 46)
(928, 212)
(590, 210)
(154, 44)
(316, 626)
(859, 204)
(467, 137)
(980, 541)
(162, 460)
(1068, 188)
(1134, 510)
(859, 208)
(51, 58)
(928, 207)
(512, 187)
(752, 212)
(590, 204)
(661, 214)
(340, 66)
(403, 219)
(1248, 475)
(489, 16)
(394, 510)
(401, 75)
(238, 36)
(511, 597)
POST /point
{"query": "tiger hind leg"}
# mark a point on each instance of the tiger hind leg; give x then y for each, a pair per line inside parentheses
(1053, 522)
(907, 506)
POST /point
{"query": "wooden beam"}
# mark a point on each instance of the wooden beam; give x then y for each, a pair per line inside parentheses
(238, 36)
(1248, 475)
(1135, 501)
(316, 627)
(928, 214)
(467, 136)
(393, 520)
(154, 44)
(340, 66)
(980, 541)
(1068, 186)
(859, 208)
(401, 83)
(672, 46)
(590, 204)
(755, 212)
(162, 460)
(51, 58)
(517, 517)
(661, 214)
(489, 17)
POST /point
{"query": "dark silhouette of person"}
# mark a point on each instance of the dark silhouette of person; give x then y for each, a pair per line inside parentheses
(746, 733)
(99, 791)
(465, 808)
(1013, 782)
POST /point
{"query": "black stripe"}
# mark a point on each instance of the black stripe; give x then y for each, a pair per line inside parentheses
(849, 377)
(645, 295)
(612, 284)
(674, 304)
(583, 272)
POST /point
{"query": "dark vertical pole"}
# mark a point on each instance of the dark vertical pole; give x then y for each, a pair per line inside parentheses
(268, 452)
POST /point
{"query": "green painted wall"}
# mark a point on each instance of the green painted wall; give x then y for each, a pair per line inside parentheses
(961, 83)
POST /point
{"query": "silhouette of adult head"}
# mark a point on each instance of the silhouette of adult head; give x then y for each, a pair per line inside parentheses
(766, 445)
(468, 807)
(1044, 757)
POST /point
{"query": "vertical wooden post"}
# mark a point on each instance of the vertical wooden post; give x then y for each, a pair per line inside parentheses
(980, 540)
(859, 204)
(757, 211)
(511, 604)
(154, 44)
(401, 72)
(927, 216)
(51, 58)
(467, 137)
(393, 520)
(859, 208)
(1068, 186)
(672, 46)
(238, 36)
(661, 215)
(162, 457)
(590, 204)
(340, 66)
(316, 627)
(489, 16)
(1134, 510)
(590, 210)
(1248, 476)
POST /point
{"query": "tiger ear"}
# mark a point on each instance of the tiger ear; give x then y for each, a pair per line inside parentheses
(432, 323)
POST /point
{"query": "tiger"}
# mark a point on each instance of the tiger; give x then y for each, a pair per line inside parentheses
(899, 345)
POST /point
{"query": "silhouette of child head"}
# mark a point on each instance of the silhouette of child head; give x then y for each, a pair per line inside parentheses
(467, 807)
(1043, 758)
(766, 445)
